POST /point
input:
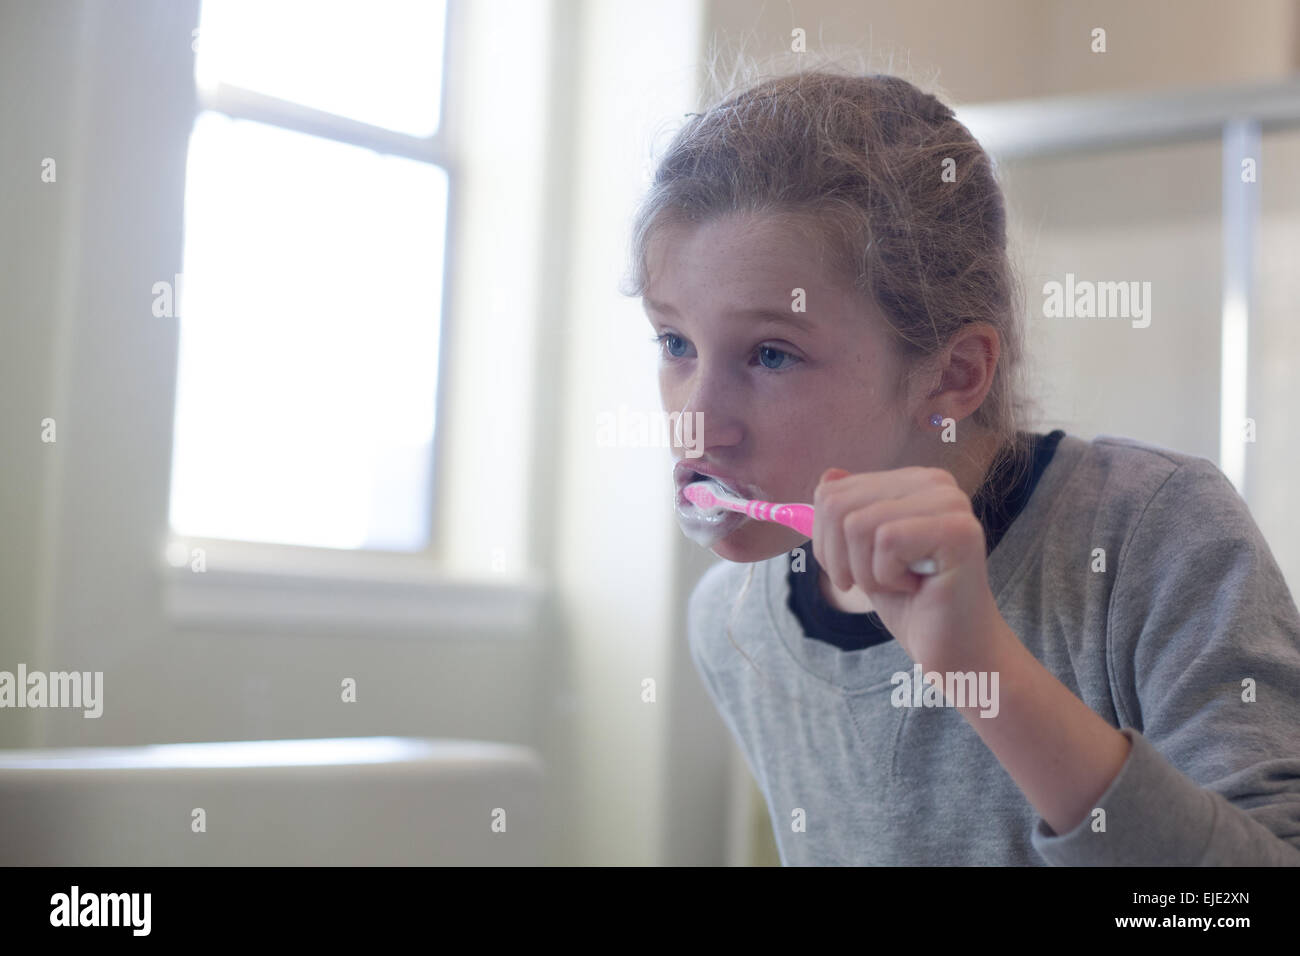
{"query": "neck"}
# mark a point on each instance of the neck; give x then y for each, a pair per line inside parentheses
(971, 465)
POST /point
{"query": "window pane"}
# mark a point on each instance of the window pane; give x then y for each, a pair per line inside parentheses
(379, 62)
(310, 313)
(1150, 216)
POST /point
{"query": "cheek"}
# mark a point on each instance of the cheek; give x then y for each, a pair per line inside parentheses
(832, 427)
(798, 426)
(669, 391)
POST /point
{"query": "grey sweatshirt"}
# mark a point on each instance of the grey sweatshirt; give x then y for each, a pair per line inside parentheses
(1189, 619)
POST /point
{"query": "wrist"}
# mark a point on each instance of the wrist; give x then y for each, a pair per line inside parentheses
(991, 647)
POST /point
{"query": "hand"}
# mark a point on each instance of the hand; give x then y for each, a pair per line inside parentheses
(869, 527)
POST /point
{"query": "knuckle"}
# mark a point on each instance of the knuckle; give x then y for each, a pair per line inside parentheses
(942, 476)
(968, 527)
(887, 536)
(859, 522)
(955, 498)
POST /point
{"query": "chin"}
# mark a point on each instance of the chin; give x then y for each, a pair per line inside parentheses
(757, 541)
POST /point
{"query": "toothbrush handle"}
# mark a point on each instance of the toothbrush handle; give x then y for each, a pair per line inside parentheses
(800, 518)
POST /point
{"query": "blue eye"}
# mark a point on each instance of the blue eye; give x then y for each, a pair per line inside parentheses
(764, 349)
(666, 339)
(674, 346)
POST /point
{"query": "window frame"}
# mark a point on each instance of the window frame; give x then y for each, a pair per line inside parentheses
(258, 585)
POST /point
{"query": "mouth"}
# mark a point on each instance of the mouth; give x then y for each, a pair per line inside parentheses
(684, 475)
(700, 476)
(707, 528)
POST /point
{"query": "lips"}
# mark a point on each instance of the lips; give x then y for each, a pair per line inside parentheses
(708, 527)
(686, 471)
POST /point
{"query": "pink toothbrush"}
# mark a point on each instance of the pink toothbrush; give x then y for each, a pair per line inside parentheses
(709, 496)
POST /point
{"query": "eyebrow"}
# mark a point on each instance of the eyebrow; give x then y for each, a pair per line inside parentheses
(770, 315)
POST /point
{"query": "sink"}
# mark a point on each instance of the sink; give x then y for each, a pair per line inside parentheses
(365, 801)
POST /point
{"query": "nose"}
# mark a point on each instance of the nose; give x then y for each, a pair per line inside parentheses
(713, 408)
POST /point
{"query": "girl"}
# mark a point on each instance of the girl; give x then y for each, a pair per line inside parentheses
(1104, 667)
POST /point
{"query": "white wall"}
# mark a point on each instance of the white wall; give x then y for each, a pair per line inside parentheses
(39, 47)
(637, 780)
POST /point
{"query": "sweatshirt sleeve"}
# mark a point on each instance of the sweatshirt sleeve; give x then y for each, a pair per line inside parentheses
(1203, 645)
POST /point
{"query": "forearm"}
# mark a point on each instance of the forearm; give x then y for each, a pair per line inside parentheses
(1060, 753)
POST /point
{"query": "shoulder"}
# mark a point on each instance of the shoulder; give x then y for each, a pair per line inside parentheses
(716, 591)
(714, 599)
(1135, 483)
(1179, 494)
(1134, 461)
(1188, 544)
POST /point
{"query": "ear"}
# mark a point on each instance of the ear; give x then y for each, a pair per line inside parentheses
(967, 369)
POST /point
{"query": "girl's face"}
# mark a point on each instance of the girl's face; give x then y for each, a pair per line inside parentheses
(781, 395)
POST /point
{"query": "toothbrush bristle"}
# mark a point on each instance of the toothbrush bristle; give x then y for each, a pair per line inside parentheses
(701, 495)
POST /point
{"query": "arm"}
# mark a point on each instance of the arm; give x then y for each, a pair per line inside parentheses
(1057, 750)
(1198, 776)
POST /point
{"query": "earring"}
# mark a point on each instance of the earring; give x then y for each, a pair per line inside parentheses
(936, 419)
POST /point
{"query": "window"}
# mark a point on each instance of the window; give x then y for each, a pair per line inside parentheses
(313, 266)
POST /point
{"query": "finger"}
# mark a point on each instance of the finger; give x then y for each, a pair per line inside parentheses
(861, 529)
(885, 484)
(839, 494)
(832, 474)
(828, 544)
(950, 539)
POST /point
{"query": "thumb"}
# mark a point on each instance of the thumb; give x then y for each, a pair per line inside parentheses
(832, 474)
